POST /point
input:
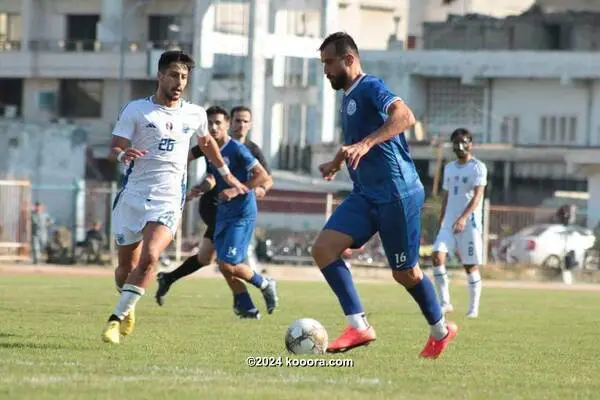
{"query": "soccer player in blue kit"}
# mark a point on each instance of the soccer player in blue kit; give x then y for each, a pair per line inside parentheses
(387, 198)
(236, 216)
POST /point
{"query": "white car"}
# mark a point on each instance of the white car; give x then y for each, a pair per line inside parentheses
(547, 244)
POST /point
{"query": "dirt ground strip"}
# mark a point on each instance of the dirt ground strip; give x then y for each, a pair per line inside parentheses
(289, 273)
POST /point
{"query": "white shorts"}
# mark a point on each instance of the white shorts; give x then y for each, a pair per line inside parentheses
(468, 244)
(131, 214)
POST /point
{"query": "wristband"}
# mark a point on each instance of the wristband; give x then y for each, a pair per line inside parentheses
(120, 156)
(224, 170)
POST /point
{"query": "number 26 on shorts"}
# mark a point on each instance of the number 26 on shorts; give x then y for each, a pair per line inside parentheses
(166, 144)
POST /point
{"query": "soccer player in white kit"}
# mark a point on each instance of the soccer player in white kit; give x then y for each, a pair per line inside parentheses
(152, 138)
(461, 221)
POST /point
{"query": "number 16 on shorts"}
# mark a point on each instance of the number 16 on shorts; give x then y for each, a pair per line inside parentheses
(400, 259)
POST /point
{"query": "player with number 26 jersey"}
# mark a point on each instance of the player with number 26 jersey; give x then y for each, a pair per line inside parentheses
(155, 183)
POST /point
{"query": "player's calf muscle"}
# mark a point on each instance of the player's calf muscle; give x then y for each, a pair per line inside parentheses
(408, 277)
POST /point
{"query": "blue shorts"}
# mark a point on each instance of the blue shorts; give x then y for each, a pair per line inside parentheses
(231, 240)
(398, 224)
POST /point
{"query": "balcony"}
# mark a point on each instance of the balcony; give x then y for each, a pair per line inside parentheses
(79, 59)
(484, 64)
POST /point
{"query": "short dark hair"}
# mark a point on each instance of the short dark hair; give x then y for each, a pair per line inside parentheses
(174, 56)
(240, 109)
(216, 110)
(461, 132)
(342, 42)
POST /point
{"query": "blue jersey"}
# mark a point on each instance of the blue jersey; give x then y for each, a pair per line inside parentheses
(387, 172)
(240, 162)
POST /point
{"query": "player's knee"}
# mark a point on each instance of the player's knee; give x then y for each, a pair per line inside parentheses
(226, 269)
(408, 277)
(437, 258)
(324, 254)
(470, 268)
(149, 261)
(204, 259)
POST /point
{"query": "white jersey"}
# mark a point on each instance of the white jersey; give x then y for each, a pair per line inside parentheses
(165, 134)
(460, 182)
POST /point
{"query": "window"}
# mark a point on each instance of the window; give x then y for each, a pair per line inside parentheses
(162, 29)
(552, 129)
(572, 129)
(509, 130)
(543, 128)
(562, 131)
(81, 32)
(10, 31)
(81, 98)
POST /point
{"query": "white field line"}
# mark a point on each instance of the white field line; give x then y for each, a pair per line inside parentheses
(156, 373)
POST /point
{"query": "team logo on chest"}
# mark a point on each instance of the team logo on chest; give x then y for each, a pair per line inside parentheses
(169, 126)
(351, 107)
(465, 179)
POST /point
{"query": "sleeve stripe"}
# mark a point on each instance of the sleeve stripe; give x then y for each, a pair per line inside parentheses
(389, 103)
(254, 164)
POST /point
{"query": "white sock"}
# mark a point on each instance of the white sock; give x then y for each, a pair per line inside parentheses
(474, 281)
(129, 297)
(441, 284)
(439, 330)
(358, 321)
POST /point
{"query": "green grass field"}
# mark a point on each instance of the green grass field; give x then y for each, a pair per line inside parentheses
(527, 344)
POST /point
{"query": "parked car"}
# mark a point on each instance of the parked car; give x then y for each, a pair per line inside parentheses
(547, 245)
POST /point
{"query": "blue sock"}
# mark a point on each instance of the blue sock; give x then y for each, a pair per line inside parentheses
(339, 278)
(424, 295)
(257, 280)
(244, 301)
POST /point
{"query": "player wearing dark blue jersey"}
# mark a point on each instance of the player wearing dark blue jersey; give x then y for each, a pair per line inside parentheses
(236, 216)
(387, 197)
(240, 123)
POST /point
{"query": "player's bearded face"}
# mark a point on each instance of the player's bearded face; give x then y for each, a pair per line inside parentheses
(338, 80)
(173, 81)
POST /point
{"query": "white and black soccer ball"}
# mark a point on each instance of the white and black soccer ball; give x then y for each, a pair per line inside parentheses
(306, 336)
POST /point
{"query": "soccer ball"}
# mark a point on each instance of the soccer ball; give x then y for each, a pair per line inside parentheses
(306, 336)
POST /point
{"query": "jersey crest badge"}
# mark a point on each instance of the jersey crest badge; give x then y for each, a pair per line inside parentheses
(351, 107)
(169, 126)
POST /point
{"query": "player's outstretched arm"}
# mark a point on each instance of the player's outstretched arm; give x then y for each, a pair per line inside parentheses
(259, 177)
(331, 168)
(121, 152)
(209, 147)
(195, 153)
(400, 118)
(207, 184)
(460, 223)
